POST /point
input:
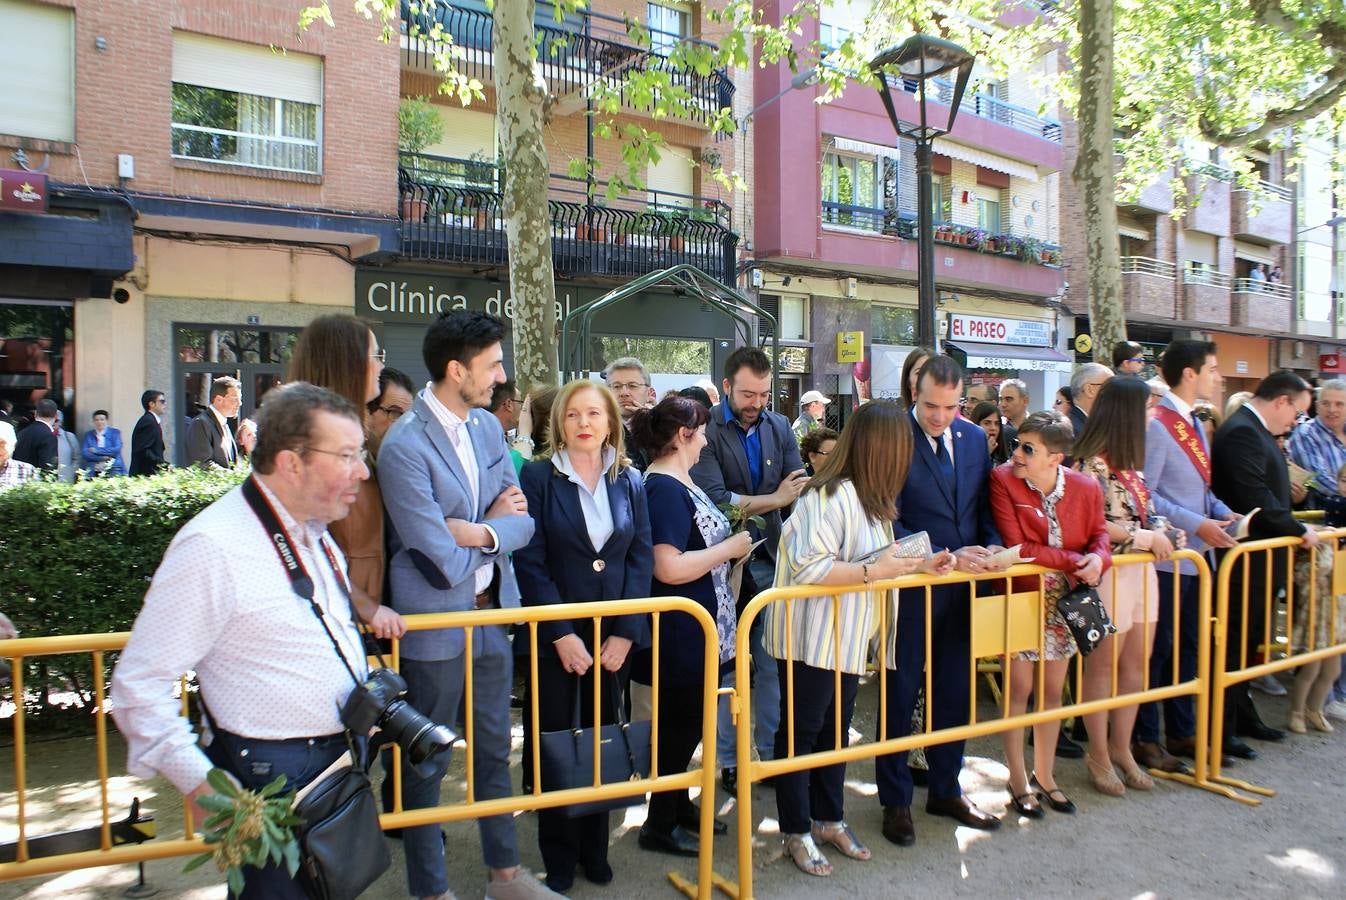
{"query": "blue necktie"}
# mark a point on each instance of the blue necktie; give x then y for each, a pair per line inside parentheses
(945, 464)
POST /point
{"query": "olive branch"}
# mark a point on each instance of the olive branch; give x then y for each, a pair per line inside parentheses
(247, 828)
(739, 519)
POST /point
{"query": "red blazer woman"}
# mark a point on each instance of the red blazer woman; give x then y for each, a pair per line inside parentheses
(1021, 519)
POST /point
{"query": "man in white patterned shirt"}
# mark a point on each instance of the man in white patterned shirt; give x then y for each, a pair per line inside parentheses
(222, 604)
(12, 471)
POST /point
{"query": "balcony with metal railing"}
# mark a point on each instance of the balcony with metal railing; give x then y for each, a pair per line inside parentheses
(573, 55)
(452, 211)
(1148, 287)
(1206, 295)
(987, 106)
(1264, 213)
(1260, 305)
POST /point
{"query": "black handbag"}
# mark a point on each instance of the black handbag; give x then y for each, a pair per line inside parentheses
(568, 756)
(1086, 617)
(341, 849)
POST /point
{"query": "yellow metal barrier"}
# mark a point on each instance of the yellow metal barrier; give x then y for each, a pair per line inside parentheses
(1001, 624)
(1238, 561)
(703, 777)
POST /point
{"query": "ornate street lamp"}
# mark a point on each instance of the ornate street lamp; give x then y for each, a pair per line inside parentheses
(921, 58)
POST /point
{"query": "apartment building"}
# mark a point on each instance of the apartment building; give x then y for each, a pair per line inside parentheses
(193, 182)
(834, 235)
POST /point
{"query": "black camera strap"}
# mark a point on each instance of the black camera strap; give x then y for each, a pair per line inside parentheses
(300, 581)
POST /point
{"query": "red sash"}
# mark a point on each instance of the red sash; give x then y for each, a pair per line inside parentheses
(1184, 433)
(1134, 483)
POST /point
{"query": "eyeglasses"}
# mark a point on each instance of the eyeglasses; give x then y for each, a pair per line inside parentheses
(381, 356)
(1136, 359)
(350, 457)
(627, 385)
(392, 412)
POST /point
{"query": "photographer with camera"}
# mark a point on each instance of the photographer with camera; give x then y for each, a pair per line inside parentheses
(272, 639)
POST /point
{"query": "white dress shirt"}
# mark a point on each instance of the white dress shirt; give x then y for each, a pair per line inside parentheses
(597, 509)
(227, 441)
(221, 604)
(460, 436)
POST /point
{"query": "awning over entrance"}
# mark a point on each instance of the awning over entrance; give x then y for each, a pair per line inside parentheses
(1012, 357)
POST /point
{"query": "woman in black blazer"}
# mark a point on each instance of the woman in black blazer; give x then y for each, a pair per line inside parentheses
(591, 542)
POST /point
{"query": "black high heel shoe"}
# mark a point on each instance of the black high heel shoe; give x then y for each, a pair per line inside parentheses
(1064, 805)
(1026, 805)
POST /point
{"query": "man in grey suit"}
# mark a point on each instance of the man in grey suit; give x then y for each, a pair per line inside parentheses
(1178, 474)
(457, 513)
(210, 442)
(751, 459)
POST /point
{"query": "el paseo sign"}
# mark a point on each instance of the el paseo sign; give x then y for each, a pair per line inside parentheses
(997, 330)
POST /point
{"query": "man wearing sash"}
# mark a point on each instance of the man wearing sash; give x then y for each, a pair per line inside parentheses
(1178, 472)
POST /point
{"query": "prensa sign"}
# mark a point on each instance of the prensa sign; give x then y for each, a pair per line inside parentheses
(22, 191)
(995, 330)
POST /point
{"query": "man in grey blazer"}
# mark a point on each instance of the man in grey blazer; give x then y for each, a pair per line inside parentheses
(456, 512)
(751, 459)
(1178, 474)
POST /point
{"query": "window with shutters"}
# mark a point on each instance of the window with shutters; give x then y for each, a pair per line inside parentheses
(241, 104)
(37, 70)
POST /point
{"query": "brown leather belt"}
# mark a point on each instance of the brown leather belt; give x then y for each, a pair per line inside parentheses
(483, 600)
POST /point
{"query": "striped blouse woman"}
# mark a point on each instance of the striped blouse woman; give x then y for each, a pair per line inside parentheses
(838, 534)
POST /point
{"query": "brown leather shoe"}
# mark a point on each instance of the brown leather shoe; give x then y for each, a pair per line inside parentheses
(1153, 756)
(965, 811)
(897, 825)
(1187, 747)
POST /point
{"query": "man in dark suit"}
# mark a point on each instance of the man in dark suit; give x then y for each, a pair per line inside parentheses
(751, 460)
(946, 496)
(147, 440)
(1085, 383)
(1248, 471)
(630, 384)
(210, 441)
(37, 444)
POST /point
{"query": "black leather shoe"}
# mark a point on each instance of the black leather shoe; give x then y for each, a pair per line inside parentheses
(729, 779)
(1027, 806)
(1055, 798)
(1066, 748)
(678, 842)
(598, 873)
(965, 811)
(1260, 731)
(1234, 746)
(897, 825)
(692, 825)
(1153, 756)
(1187, 747)
(920, 777)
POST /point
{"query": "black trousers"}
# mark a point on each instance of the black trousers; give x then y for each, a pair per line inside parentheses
(565, 842)
(680, 710)
(813, 794)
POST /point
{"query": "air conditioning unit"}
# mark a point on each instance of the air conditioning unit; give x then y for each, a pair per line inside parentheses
(852, 288)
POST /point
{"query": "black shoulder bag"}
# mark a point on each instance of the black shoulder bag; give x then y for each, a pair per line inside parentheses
(1086, 617)
(341, 847)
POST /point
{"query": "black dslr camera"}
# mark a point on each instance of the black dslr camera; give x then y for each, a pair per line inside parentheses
(379, 702)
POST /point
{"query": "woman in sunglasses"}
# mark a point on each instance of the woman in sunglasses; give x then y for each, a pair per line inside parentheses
(1056, 516)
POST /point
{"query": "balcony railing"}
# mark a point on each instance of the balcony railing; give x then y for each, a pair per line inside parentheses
(571, 56)
(891, 222)
(986, 106)
(1206, 276)
(1147, 265)
(451, 210)
(1262, 286)
(1273, 191)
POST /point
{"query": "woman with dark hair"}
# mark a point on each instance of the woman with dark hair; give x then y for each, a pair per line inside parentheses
(591, 542)
(840, 533)
(911, 373)
(1112, 450)
(698, 394)
(534, 427)
(1065, 400)
(693, 549)
(987, 416)
(816, 446)
(1055, 515)
(342, 354)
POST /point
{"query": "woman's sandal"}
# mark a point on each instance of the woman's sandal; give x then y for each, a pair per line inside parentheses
(806, 855)
(1104, 778)
(1134, 776)
(840, 835)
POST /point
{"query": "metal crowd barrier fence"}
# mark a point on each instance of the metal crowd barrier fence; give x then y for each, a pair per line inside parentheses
(1001, 624)
(703, 776)
(1255, 561)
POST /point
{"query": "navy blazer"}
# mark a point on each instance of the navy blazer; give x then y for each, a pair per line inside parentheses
(560, 565)
(926, 504)
(111, 449)
(147, 446)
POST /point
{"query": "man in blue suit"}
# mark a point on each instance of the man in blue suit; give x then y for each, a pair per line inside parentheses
(456, 513)
(946, 497)
(1178, 474)
(102, 448)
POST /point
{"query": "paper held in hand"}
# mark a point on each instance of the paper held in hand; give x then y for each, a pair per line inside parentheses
(1008, 557)
(1300, 477)
(736, 570)
(1239, 530)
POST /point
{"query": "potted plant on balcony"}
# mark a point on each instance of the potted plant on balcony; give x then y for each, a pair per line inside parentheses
(1030, 248)
(418, 126)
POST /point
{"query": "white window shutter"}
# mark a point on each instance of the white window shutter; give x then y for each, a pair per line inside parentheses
(246, 68)
(37, 69)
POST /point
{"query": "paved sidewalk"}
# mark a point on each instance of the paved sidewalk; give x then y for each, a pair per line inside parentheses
(1172, 842)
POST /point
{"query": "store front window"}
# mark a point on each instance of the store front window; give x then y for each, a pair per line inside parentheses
(37, 355)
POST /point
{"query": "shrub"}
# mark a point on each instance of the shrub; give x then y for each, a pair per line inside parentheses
(78, 558)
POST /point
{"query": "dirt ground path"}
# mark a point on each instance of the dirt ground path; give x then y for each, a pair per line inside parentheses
(1172, 842)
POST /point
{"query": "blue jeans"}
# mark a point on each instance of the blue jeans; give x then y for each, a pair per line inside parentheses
(435, 687)
(1179, 712)
(256, 764)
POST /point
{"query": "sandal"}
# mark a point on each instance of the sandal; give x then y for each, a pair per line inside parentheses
(840, 835)
(806, 855)
(1104, 778)
(1134, 776)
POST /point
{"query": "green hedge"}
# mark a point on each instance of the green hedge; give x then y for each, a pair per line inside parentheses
(78, 558)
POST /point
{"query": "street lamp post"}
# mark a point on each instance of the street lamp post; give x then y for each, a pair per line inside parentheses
(922, 58)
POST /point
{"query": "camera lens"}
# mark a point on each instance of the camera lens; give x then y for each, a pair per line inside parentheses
(422, 739)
